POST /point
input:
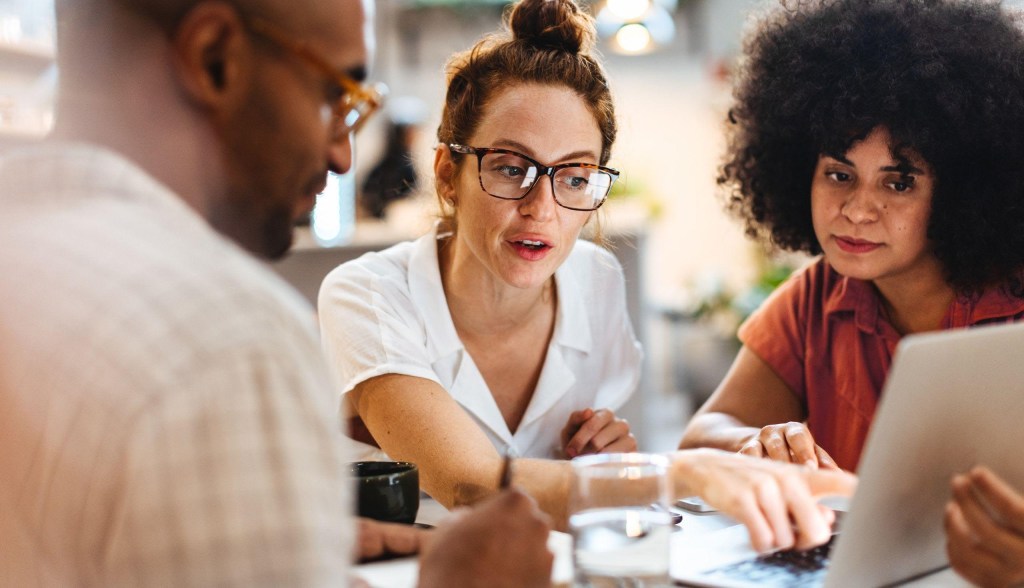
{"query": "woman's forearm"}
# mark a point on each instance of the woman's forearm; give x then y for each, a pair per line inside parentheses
(545, 480)
(548, 482)
(717, 430)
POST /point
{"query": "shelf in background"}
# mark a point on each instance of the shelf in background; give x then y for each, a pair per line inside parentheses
(27, 54)
(21, 134)
(26, 90)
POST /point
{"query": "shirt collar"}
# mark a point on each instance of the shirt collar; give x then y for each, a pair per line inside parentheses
(572, 328)
(860, 298)
(856, 296)
(428, 296)
(993, 304)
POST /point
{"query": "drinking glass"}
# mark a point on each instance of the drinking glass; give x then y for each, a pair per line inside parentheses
(620, 521)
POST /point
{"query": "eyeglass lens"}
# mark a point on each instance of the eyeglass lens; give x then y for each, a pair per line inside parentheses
(351, 115)
(356, 108)
(509, 176)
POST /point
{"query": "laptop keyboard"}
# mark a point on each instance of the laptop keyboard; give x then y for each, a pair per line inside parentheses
(782, 568)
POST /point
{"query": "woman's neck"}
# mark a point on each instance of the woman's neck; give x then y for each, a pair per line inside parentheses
(481, 304)
(915, 305)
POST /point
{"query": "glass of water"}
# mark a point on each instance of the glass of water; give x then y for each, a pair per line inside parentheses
(619, 520)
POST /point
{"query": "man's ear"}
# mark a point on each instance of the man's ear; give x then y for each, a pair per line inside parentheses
(444, 173)
(211, 54)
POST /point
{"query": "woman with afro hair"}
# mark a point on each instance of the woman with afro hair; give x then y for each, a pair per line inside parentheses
(886, 136)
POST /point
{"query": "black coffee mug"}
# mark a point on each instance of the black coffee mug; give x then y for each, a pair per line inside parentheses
(387, 490)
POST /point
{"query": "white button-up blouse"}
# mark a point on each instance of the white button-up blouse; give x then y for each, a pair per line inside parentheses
(386, 313)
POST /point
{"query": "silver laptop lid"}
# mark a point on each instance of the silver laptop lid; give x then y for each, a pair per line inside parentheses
(953, 399)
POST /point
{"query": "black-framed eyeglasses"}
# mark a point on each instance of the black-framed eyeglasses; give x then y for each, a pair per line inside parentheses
(509, 175)
(355, 102)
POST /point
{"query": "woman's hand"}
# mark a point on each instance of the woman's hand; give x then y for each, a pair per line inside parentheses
(378, 540)
(743, 415)
(596, 431)
(790, 442)
(985, 529)
(776, 502)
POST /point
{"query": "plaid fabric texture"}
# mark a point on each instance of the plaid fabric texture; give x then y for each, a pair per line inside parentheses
(165, 415)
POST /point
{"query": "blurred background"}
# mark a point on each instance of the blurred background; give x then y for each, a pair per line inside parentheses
(692, 276)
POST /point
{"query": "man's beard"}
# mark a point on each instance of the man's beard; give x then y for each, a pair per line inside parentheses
(264, 232)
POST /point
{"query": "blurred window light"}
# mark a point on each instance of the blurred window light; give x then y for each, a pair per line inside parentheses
(333, 218)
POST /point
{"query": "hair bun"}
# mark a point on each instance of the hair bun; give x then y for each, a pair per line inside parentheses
(552, 24)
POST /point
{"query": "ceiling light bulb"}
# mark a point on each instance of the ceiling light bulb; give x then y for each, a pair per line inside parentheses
(633, 38)
(628, 10)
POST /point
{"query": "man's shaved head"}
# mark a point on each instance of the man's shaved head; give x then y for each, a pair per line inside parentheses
(166, 13)
(83, 15)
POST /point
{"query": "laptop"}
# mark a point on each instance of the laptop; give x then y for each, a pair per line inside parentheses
(953, 399)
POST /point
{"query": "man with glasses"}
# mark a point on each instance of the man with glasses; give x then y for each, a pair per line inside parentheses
(166, 418)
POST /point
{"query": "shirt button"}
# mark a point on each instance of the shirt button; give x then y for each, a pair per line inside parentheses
(511, 452)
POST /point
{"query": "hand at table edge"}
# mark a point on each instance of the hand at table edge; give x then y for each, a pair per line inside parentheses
(379, 540)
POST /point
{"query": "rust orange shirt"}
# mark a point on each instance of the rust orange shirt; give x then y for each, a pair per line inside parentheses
(825, 336)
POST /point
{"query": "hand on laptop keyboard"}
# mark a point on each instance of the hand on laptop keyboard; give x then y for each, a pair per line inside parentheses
(768, 497)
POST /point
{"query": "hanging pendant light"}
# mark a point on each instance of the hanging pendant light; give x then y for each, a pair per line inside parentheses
(635, 27)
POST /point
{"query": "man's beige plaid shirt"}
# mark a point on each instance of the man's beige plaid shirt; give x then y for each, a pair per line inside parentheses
(165, 415)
